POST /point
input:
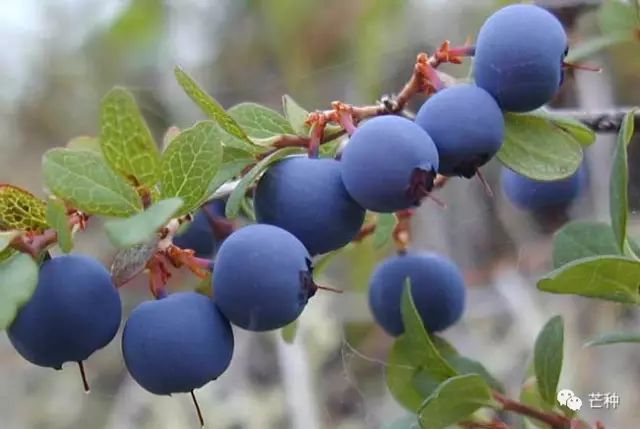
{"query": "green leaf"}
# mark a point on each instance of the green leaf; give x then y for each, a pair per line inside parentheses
(190, 163)
(572, 127)
(454, 400)
(127, 263)
(530, 395)
(548, 354)
(592, 46)
(539, 148)
(289, 332)
(323, 262)
(296, 115)
(235, 199)
(618, 189)
(402, 377)
(6, 237)
(141, 228)
(614, 338)
(614, 278)
(20, 210)
(465, 365)
(423, 351)
(210, 106)
(59, 220)
(616, 16)
(18, 281)
(582, 239)
(125, 139)
(85, 143)
(384, 228)
(260, 122)
(84, 179)
(227, 171)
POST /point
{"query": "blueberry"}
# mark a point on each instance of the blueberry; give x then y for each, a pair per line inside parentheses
(466, 126)
(437, 288)
(177, 344)
(389, 164)
(199, 235)
(536, 196)
(74, 311)
(262, 277)
(306, 197)
(519, 55)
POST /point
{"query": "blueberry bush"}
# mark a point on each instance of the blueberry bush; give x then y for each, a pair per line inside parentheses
(254, 203)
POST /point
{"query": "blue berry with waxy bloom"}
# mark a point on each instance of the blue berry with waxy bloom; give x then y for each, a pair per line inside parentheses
(199, 235)
(519, 57)
(466, 125)
(389, 164)
(262, 277)
(437, 289)
(74, 311)
(306, 197)
(177, 344)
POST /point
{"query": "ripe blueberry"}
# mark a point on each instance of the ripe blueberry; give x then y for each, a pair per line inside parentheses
(262, 277)
(177, 344)
(306, 197)
(437, 288)
(519, 57)
(466, 126)
(74, 311)
(199, 235)
(533, 195)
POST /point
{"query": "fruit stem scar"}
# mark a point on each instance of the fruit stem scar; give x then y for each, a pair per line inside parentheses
(198, 410)
(83, 375)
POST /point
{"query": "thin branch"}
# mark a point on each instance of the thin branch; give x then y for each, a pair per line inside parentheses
(555, 420)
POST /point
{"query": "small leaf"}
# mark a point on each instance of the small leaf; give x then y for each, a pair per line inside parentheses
(538, 148)
(614, 338)
(18, 281)
(401, 375)
(59, 221)
(140, 228)
(125, 139)
(574, 128)
(296, 115)
(210, 106)
(84, 179)
(464, 365)
(233, 204)
(190, 163)
(618, 189)
(85, 143)
(454, 400)
(548, 354)
(289, 332)
(20, 210)
(582, 239)
(613, 278)
(423, 351)
(590, 47)
(260, 122)
(6, 237)
(129, 262)
(384, 228)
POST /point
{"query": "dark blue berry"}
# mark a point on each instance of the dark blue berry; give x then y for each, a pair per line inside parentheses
(199, 235)
(306, 197)
(74, 311)
(177, 344)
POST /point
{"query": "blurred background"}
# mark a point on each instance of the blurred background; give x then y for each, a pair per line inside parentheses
(60, 56)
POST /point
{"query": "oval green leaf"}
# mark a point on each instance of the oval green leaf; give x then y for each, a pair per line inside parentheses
(454, 400)
(59, 220)
(85, 180)
(618, 185)
(190, 163)
(537, 147)
(20, 210)
(125, 139)
(18, 281)
(613, 278)
(260, 122)
(141, 228)
(547, 358)
(85, 143)
(583, 239)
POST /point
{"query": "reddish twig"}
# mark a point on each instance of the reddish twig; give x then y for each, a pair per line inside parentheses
(402, 231)
(555, 420)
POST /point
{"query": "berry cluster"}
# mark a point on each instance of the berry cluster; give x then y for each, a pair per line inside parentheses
(306, 206)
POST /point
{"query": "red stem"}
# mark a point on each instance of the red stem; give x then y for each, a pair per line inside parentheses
(555, 420)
